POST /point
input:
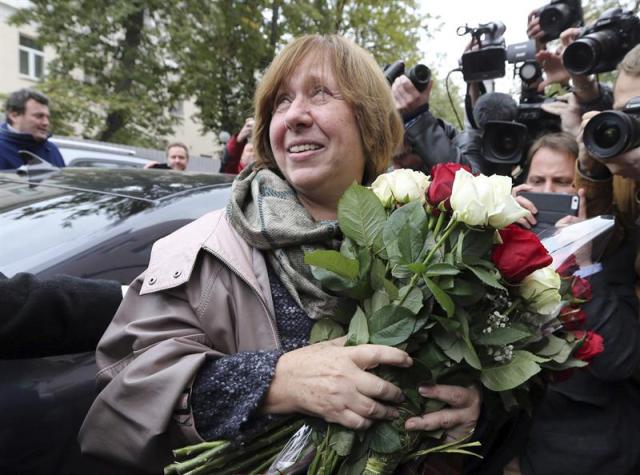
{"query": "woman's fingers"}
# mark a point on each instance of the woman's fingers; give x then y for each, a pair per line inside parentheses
(462, 414)
(375, 387)
(372, 356)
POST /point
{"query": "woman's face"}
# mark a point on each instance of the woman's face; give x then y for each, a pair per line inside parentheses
(315, 139)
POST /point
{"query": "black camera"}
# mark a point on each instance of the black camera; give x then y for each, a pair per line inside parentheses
(419, 75)
(504, 142)
(601, 46)
(611, 133)
(558, 16)
(487, 62)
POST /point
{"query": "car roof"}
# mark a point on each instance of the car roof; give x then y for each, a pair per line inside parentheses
(139, 184)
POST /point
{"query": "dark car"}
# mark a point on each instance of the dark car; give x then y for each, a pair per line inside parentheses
(95, 223)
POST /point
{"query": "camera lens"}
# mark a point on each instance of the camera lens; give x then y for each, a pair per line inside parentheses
(420, 75)
(554, 20)
(503, 142)
(611, 133)
(530, 72)
(581, 56)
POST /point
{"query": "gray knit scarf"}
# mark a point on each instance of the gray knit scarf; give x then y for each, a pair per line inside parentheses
(266, 212)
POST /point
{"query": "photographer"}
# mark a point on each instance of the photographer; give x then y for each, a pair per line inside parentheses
(428, 137)
(550, 169)
(611, 185)
(600, 404)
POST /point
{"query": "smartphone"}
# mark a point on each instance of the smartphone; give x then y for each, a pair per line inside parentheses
(551, 207)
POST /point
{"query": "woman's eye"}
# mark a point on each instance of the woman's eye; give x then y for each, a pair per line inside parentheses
(321, 92)
(282, 102)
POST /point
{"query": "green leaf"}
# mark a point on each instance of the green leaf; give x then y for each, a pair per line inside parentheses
(504, 336)
(554, 345)
(358, 329)
(378, 300)
(477, 243)
(341, 440)
(569, 363)
(334, 262)
(378, 271)
(391, 325)
(412, 296)
(405, 234)
(361, 215)
(451, 344)
(471, 356)
(507, 376)
(331, 280)
(485, 276)
(448, 324)
(391, 289)
(441, 296)
(436, 270)
(417, 267)
(325, 329)
(465, 288)
(384, 438)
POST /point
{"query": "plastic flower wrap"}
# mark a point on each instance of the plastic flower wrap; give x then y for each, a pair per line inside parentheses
(470, 296)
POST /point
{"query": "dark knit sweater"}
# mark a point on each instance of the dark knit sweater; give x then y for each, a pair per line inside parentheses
(227, 391)
(12, 142)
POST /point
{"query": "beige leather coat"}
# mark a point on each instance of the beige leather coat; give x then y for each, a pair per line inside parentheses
(205, 293)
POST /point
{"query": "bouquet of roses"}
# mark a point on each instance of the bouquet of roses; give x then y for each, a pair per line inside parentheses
(434, 266)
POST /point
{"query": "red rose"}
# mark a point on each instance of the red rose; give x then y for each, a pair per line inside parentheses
(520, 253)
(568, 266)
(581, 288)
(442, 176)
(591, 346)
(572, 318)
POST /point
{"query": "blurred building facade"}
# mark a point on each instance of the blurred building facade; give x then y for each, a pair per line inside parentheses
(23, 63)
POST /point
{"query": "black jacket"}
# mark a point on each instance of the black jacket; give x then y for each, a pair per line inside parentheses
(59, 315)
(432, 140)
(591, 422)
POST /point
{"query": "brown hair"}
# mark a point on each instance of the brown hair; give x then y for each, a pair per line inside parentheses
(176, 144)
(361, 84)
(561, 141)
(630, 64)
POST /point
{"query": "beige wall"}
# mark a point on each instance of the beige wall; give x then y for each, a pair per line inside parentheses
(10, 80)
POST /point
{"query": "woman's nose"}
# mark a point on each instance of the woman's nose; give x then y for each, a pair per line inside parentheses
(298, 114)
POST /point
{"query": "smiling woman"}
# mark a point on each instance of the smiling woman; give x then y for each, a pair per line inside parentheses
(212, 340)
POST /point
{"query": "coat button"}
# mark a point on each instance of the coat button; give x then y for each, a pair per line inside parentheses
(152, 280)
(177, 274)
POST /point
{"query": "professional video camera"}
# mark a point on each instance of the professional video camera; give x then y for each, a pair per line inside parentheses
(559, 15)
(487, 62)
(419, 75)
(611, 133)
(504, 142)
(601, 46)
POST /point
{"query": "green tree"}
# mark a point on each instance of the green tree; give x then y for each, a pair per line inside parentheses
(112, 74)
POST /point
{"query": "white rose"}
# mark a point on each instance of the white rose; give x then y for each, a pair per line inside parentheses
(401, 186)
(471, 198)
(541, 290)
(505, 209)
(481, 200)
(382, 189)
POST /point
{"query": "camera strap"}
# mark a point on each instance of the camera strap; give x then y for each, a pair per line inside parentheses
(468, 106)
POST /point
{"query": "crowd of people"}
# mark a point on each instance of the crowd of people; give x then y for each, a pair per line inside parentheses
(222, 350)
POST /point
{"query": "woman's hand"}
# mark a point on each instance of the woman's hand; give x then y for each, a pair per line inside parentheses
(330, 380)
(459, 418)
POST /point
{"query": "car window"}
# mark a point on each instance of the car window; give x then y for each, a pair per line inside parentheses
(42, 220)
(97, 163)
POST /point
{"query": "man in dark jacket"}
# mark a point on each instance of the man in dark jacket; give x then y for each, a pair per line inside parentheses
(427, 136)
(27, 128)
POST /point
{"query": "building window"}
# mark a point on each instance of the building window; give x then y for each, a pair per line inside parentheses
(31, 58)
